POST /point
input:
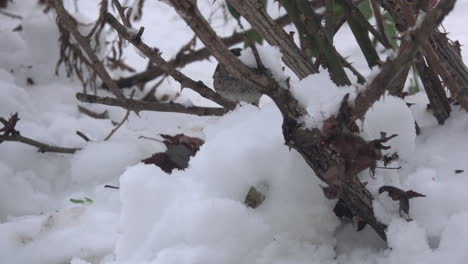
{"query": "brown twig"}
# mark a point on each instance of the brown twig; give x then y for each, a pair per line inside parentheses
(442, 57)
(83, 136)
(43, 147)
(99, 21)
(10, 15)
(380, 24)
(118, 126)
(257, 16)
(67, 21)
(121, 11)
(149, 138)
(111, 187)
(149, 96)
(435, 92)
(11, 134)
(121, 122)
(192, 16)
(88, 112)
(256, 54)
(137, 106)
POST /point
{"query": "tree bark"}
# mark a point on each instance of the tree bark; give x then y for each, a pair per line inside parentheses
(435, 92)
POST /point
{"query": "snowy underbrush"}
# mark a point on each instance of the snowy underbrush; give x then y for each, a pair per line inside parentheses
(198, 215)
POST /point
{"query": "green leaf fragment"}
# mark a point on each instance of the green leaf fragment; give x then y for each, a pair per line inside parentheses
(85, 200)
(254, 198)
(365, 9)
(77, 201)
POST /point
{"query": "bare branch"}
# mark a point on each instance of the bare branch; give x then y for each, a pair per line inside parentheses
(435, 92)
(43, 147)
(118, 126)
(83, 136)
(254, 12)
(100, 19)
(10, 15)
(11, 134)
(256, 54)
(184, 59)
(156, 58)
(380, 25)
(67, 21)
(192, 16)
(88, 112)
(121, 122)
(445, 58)
(121, 11)
(137, 106)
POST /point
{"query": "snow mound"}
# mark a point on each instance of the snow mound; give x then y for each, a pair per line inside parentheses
(198, 215)
(321, 97)
(391, 115)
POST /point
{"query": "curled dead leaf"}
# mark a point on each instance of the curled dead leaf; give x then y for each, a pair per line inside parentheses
(177, 155)
(402, 197)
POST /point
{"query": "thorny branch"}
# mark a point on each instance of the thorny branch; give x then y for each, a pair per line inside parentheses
(413, 41)
(311, 143)
(441, 55)
(257, 16)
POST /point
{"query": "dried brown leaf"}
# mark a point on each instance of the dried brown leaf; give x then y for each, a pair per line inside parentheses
(331, 192)
(177, 155)
(402, 197)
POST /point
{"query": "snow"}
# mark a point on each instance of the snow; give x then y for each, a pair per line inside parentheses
(198, 215)
(214, 195)
(321, 97)
(270, 58)
(391, 115)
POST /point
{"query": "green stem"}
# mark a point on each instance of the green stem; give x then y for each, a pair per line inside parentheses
(357, 23)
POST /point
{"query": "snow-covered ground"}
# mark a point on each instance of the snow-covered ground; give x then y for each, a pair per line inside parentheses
(198, 215)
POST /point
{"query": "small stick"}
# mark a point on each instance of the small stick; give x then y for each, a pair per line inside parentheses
(43, 147)
(88, 112)
(118, 126)
(143, 137)
(83, 136)
(258, 60)
(121, 122)
(10, 15)
(389, 168)
(111, 187)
